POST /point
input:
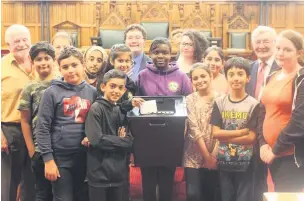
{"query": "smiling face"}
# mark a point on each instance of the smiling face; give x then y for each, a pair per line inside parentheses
(237, 78)
(286, 54)
(113, 89)
(201, 79)
(94, 61)
(187, 47)
(161, 56)
(19, 44)
(264, 45)
(215, 62)
(43, 63)
(72, 70)
(135, 40)
(123, 62)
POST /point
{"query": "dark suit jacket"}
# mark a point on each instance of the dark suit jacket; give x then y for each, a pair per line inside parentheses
(250, 87)
(144, 61)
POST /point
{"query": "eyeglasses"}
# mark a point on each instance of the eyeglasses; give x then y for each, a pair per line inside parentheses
(134, 38)
(187, 44)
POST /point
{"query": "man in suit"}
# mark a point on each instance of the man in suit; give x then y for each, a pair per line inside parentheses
(135, 37)
(263, 43)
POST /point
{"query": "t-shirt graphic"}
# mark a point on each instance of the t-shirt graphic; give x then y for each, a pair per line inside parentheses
(76, 107)
(233, 157)
(229, 115)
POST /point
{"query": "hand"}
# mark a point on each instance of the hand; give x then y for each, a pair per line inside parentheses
(122, 132)
(51, 170)
(210, 163)
(269, 158)
(31, 152)
(263, 151)
(4, 144)
(132, 160)
(85, 142)
(136, 102)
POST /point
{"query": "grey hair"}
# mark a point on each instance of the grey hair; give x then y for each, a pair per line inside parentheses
(15, 28)
(263, 29)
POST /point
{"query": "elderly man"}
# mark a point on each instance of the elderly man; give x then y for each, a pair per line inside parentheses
(135, 37)
(263, 43)
(15, 74)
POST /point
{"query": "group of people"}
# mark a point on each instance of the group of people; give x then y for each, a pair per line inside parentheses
(65, 135)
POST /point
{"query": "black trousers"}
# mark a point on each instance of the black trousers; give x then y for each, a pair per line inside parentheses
(202, 184)
(71, 185)
(286, 176)
(16, 166)
(260, 172)
(42, 185)
(163, 177)
(106, 193)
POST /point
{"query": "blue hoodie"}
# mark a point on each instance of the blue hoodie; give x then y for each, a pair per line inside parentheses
(170, 82)
(61, 116)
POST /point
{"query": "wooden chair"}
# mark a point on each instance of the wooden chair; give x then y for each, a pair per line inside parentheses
(199, 22)
(237, 33)
(111, 30)
(71, 28)
(156, 21)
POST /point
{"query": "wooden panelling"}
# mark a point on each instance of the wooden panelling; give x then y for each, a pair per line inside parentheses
(8, 13)
(91, 15)
(31, 13)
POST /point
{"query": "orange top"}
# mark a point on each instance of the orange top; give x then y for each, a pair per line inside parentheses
(277, 99)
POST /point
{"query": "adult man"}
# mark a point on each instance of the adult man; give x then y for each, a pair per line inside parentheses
(15, 74)
(263, 43)
(135, 36)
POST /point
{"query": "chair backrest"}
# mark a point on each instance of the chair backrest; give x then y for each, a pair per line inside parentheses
(237, 29)
(238, 40)
(156, 22)
(156, 29)
(111, 37)
(199, 22)
(112, 29)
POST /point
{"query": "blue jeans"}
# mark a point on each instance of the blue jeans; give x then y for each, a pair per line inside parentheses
(71, 185)
(43, 186)
(237, 186)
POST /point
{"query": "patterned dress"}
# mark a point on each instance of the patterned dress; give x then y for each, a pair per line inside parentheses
(198, 125)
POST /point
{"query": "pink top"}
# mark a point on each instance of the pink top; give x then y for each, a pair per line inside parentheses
(220, 84)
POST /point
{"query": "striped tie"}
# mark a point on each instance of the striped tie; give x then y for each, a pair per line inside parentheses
(130, 73)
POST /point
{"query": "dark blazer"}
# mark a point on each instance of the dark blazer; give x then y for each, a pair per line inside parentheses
(144, 61)
(250, 87)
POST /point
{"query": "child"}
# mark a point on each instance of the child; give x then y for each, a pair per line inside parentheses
(60, 127)
(59, 41)
(234, 120)
(160, 78)
(109, 143)
(200, 146)
(43, 58)
(94, 58)
(214, 56)
(120, 58)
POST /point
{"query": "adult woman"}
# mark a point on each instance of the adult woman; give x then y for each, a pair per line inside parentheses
(192, 47)
(277, 114)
